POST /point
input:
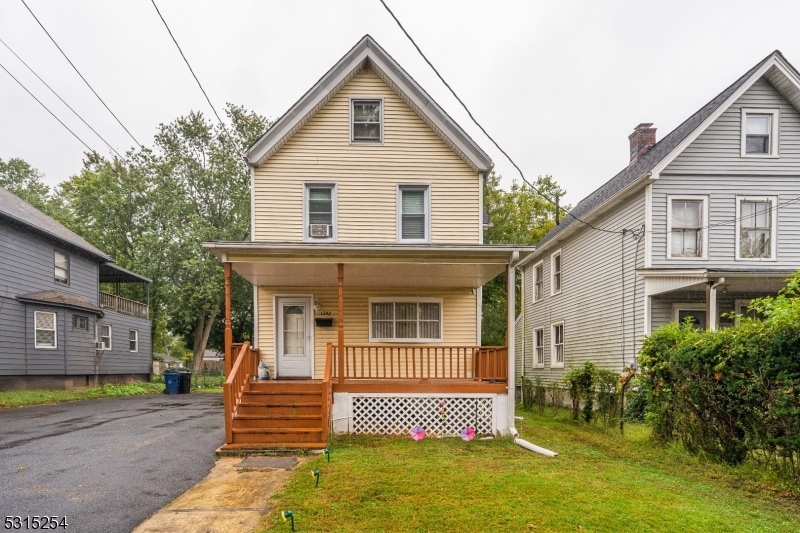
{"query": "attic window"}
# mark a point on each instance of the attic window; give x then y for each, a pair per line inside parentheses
(367, 121)
(759, 132)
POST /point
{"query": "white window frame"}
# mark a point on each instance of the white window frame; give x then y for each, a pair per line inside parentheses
(408, 299)
(678, 307)
(703, 199)
(426, 188)
(773, 245)
(538, 281)
(36, 329)
(65, 280)
(553, 290)
(554, 362)
(353, 101)
(100, 337)
(135, 340)
(307, 186)
(538, 349)
(774, 149)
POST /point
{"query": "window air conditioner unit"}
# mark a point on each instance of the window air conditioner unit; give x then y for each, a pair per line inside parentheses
(320, 230)
(99, 345)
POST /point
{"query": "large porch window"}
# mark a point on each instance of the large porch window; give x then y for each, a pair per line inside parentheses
(405, 319)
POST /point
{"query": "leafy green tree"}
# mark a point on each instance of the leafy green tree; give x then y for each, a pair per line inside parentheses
(20, 178)
(520, 215)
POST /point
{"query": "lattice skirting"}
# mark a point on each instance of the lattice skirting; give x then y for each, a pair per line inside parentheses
(444, 416)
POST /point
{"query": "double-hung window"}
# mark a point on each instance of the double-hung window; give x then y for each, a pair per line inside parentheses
(44, 330)
(133, 340)
(320, 211)
(557, 346)
(104, 336)
(366, 120)
(405, 319)
(80, 322)
(538, 281)
(413, 213)
(555, 273)
(755, 227)
(538, 348)
(61, 270)
(760, 132)
(687, 230)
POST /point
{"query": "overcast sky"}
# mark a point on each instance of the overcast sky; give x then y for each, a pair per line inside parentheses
(558, 84)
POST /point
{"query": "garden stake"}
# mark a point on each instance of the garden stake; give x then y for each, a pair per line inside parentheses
(287, 515)
(327, 452)
(315, 473)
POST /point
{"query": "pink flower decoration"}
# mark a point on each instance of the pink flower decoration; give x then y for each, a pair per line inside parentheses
(467, 433)
(418, 433)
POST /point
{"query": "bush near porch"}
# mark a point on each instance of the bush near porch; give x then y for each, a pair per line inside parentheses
(731, 394)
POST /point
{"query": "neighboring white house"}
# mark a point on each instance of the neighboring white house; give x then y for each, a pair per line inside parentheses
(697, 225)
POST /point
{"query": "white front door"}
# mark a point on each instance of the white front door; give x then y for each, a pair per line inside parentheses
(295, 337)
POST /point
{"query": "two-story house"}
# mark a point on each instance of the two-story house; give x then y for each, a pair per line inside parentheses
(63, 323)
(697, 225)
(367, 262)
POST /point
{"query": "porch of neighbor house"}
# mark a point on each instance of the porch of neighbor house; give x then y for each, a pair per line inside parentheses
(377, 388)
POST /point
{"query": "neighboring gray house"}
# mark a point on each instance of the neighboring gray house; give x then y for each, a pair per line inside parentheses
(697, 225)
(57, 329)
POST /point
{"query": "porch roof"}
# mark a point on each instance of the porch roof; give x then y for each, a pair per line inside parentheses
(373, 265)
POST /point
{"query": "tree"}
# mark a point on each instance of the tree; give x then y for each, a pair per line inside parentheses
(20, 178)
(520, 215)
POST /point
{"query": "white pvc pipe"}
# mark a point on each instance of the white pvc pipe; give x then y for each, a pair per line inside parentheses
(534, 448)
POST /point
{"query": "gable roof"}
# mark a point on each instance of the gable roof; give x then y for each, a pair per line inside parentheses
(15, 208)
(368, 54)
(775, 68)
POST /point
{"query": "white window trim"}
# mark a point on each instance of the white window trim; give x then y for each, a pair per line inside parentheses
(773, 253)
(678, 307)
(553, 362)
(704, 225)
(536, 347)
(535, 280)
(399, 222)
(100, 335)
(737, 304)
(553, 290)
(67, 259)
(334, 211)
(55, 331)
(388, 299)
(383, 115)
(136, 340)
(774, 149)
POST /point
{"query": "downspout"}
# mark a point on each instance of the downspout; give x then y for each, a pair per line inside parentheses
(511, 287)
(712, 303)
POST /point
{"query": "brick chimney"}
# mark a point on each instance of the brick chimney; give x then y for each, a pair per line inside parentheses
(642, 139)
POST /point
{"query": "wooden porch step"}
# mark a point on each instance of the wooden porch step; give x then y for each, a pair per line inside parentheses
(280, 396)
(268, 449)
(285, 386)
(271, 408)
(276, 436)
(256, 421)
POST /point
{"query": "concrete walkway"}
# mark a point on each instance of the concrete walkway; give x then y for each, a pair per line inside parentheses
(231, 499)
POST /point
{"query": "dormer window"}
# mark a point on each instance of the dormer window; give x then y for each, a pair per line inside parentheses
(759, 133)
(366, 121)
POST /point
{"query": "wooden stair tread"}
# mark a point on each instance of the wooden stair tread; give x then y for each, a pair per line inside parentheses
(244, 446)
(278, 417)
(277, 430)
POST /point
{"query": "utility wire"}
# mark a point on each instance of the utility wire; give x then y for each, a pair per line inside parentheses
(81, 75)
(59, 97)
(191, 70)
(48, 110)
(522, 175)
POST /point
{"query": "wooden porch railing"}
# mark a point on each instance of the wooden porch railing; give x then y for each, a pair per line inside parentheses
(244, 366)
(424, 362)
(123, 305)
(327, 393)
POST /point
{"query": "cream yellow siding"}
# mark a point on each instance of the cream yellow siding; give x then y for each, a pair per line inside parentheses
(366, 176)
(458, 317)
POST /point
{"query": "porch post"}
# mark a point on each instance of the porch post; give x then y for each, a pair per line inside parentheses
(511, 275)
(228, 329)
(340, 322)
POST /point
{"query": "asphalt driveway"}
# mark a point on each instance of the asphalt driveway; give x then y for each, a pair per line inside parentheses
(107, 464)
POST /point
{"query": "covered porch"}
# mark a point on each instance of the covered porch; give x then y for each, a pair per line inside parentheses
(378, 387)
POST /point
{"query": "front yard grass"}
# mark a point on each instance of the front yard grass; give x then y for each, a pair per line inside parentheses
(601, 482)
(45, 396)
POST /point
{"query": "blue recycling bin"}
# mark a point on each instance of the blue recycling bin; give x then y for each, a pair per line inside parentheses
(172, 381)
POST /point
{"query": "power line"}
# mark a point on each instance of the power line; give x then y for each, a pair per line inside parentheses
(522, 175)
(48, 110)
(59, 97)
(81, 75)
(190, 69)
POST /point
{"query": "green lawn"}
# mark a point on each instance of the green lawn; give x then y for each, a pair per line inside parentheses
(599, 482)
